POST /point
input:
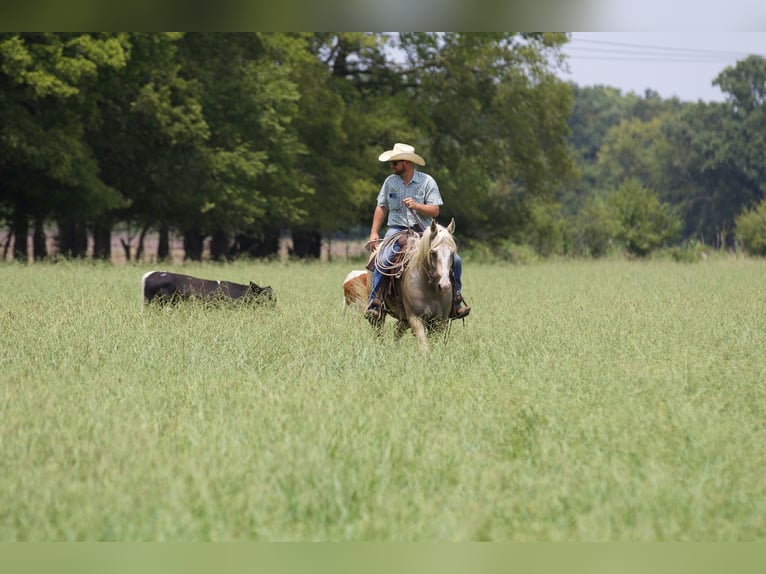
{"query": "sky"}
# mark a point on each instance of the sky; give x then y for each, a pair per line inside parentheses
(680, 64)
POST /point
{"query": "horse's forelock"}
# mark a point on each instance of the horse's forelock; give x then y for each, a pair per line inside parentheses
(447, 237)
(442, 236)
(429, 241)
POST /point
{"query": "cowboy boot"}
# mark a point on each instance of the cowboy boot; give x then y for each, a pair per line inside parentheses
(374, 311)
(460, 308)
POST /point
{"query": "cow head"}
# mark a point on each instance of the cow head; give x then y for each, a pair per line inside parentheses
(261, 294)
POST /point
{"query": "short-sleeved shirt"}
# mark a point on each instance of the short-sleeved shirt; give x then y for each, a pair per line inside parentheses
(422, 188)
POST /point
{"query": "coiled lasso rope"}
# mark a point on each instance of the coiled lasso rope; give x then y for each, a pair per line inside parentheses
(407, 252)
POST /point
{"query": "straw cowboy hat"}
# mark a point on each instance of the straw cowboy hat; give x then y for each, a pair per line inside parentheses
(402, 151)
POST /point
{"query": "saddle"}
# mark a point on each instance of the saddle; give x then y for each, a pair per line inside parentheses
(393, 270)
(396, 267)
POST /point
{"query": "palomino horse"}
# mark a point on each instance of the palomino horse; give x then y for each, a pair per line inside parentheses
(422, 296)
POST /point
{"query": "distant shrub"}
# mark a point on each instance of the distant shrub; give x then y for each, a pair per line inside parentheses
(646, 223)
(477, 252)
(596, 227)
(750, 229)
(546, 229)
(517, 253)
(692, 251)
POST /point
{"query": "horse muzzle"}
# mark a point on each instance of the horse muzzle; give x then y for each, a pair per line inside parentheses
(444, 284)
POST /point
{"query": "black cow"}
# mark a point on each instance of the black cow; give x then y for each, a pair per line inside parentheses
(164, 287)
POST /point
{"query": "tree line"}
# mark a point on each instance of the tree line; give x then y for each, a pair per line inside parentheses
(657, 172)
(235, 137)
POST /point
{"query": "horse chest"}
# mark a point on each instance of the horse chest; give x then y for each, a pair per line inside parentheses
(422, 297)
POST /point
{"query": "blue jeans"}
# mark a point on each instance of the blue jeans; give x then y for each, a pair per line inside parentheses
(386, 256)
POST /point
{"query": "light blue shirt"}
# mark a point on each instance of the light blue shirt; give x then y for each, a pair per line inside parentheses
(422, 188)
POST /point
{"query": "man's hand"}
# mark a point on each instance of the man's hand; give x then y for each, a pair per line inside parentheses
(372, 244)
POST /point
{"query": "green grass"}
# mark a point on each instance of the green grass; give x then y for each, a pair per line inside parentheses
(580, 401)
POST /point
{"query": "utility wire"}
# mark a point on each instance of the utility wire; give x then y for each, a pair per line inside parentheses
(647, 58)
(664, 48)
(578, 49)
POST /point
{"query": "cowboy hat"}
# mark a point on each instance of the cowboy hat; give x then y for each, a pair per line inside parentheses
(402, 151)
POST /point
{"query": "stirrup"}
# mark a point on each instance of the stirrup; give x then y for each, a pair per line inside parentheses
(374, 311)
(460, 311)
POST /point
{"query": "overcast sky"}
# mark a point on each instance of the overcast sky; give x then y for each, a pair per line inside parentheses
(682, 64)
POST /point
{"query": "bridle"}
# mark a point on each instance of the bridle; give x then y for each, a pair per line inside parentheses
(430, 270)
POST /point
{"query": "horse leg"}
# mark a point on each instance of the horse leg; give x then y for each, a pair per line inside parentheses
(419, 330)
(377, 326)
(401, 327)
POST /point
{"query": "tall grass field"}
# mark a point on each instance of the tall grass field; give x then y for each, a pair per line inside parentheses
(580, 401)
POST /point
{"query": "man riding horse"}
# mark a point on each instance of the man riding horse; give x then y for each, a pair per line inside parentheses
(411, 199)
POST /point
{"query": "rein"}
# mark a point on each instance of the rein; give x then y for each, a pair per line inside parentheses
(418, 227)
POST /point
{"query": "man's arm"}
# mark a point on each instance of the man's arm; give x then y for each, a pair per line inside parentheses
(378, 217)
(422, 208)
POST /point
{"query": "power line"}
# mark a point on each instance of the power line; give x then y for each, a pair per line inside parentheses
(634, 57)
(646, 53)
(663, 48)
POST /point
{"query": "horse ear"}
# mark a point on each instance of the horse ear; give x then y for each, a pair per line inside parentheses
(451, 226)
(434, 229)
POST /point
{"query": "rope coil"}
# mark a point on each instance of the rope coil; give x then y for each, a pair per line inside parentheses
(393, 269)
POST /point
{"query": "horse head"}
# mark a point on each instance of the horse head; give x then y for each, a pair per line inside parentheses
(441, 252)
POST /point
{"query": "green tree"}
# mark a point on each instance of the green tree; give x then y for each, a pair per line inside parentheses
(493, 115)
(645, 223)
(345, 113)
(703, 180)
(599, 110)
(128, 144)
(546, 228)
(750, 229)
(47, 169)
(745, 82)
(596, 109)
(249, 99)
(717, 165)
(196, 132)
(633, 149)
(595, 228)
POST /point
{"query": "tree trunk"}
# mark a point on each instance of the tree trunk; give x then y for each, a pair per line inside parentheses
(219, 246)
(307, 244)
(140, 249)
(39, 243)
(163, 247)
(7, 245)
(72, 239)
(102, 241)
(20, 234)
(193, 243)
(262, 244)
(126, 248)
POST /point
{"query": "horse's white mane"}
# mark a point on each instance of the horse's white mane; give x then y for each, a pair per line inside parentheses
(417, 249)
(418, 252)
